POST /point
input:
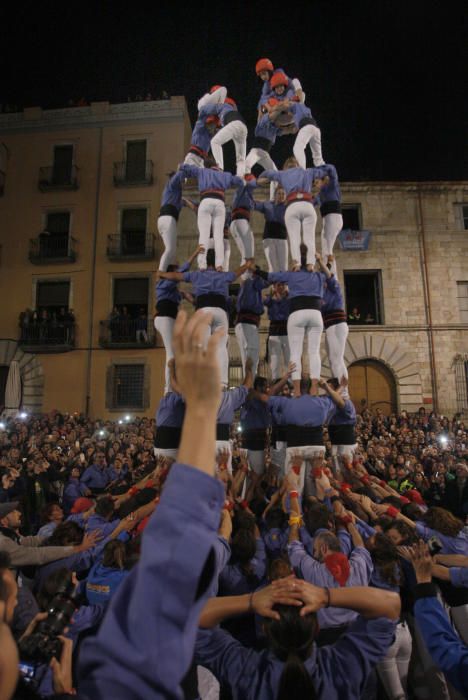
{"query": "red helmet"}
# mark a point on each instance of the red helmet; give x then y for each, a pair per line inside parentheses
(279, 79)
(214, 88)
(263, 64)
(230, 101)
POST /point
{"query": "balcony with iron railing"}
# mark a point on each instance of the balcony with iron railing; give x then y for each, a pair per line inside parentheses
(127, 174)
(126, 332)
(47, 336)
(52, 178)
(131, 245)
(50, 248)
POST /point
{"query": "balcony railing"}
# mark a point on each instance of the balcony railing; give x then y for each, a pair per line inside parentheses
(131, 245)
(52, 178)
(52, 248)
(122, 332)
(127, 174)
(51, 335)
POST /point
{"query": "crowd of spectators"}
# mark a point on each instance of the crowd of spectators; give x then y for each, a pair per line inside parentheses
(76, 497)
(47, 326)
(128, 327)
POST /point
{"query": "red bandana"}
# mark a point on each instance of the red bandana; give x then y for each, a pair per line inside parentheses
(338, 565)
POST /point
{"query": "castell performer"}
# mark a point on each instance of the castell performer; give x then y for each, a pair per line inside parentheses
(308, 133)
(330, 209)
(342, 425)
(336, 328)
(265, 71)
(204, 129)
(275, 235)
(249, 306)
(278, 308)
(231, 401)
(171, 204)
(241, 231)
(169, 419)
(233, 128)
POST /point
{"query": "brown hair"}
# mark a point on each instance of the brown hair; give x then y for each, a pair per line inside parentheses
(443, 521)
(114, 555)
(290, 162)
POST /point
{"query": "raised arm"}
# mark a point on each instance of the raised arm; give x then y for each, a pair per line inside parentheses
(199, 249)
(248, 376)
(335, 396)
(368, 602)
(322, 266)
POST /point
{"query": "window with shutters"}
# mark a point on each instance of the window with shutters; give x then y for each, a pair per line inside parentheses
(133, 231)
(462, 298)
(63, 163)
(352, 218)
(128, 386)
(132, 294)
(364, 300)
(52, 295)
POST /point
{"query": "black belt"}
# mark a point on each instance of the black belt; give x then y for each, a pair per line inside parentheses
(233, 116)
(167, 437)
(166, 307)
(254, 439)
(213, 194)
(169, 210)
(211, 300)
(275, 229)
(304, 302)
(278, 328)
(278, 433)
(248, 317)
(333, 207)
(222, 431)
(304, 435)
(307, 120)
(263, 143)
(332, 318)
(342, 434)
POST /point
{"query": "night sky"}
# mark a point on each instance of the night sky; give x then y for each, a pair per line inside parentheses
(386, 81)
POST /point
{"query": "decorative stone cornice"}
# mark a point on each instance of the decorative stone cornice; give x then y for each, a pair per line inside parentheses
(96, 114)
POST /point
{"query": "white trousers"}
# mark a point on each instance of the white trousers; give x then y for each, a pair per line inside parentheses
(256, 460)
(234, 131)
(276, 254)
(258, 155)
(243, 236)
(299, 216)
(249, 344)
(210, 218)
(306, 322)
(167, 227)
(220, 320)
(193, 159)
(165, 452)
(278, 456)
(331, 226)
(165, 326)
(393, 670)
(278, 352)
(335, 342)
(309, 134)
(308, 453)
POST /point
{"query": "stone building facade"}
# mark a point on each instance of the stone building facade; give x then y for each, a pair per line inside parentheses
(413, 279)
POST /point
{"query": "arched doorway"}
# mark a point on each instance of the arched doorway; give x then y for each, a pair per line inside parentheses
(372, 386)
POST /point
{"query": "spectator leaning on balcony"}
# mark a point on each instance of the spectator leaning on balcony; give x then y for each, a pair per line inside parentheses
(141, 325)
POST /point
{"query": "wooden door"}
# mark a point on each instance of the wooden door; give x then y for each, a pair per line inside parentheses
(372, 386)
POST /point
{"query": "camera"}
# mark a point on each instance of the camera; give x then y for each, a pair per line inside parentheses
(43, 643)
(434, 545)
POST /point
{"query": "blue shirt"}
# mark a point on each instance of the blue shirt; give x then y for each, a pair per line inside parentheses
(233, 581)
(250, 295)
(332, 296)
(210, 282)
(299, 112)
(95, 477)
(331, 192)
(212, 178)
(265, 129)
(172, 193)
(171, 410)
(337, 671)
(268, 92)
(146, 641)
(300, 283)
(459, 576)
(443, 643)
(305, 410)
(294, 179)
(311, 570)
(255, 415)
(103, 582)
(221, 110)
(243, 197)
(169, 289)
(231, 401)
(345, 415)
(105, 527)
(73, 490)
(278, 309)
(200, 135)
(450, 545)
(271, 211)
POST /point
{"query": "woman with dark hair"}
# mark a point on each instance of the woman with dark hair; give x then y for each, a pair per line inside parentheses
(292, 666)
(443, 525)
(51, 516)
(106, 576)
